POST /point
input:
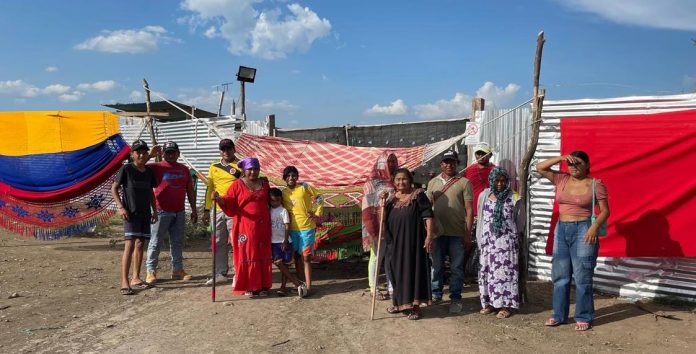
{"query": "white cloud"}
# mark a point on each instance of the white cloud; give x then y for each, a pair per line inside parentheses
(458, 106)
(397, 107)
(671, 14)
(55, 89)
(266, 34)
(135, 95)
(501, 97)
(51, 69)
(71, 97)
(133, 41)
(104, 85)
(274, 106)
(18, 87)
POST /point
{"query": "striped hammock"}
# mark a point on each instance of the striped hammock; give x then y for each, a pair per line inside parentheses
(56, 170)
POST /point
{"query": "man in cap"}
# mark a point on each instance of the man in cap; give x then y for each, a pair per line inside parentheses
(452, 199)
(174, 186)
(477, 173)
(221, 174)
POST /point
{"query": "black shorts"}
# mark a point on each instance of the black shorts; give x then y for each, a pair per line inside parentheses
(137, 226)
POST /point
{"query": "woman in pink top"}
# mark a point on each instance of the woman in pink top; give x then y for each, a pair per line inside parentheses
(575, 244)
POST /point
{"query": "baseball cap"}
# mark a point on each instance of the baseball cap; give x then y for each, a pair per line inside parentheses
(170, 146)
(450, 155)
(484, 147)
(226, 144)
(139, 145)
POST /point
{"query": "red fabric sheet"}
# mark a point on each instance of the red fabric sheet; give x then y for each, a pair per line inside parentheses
(648, 163)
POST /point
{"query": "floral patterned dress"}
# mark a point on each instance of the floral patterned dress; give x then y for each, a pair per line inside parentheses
(499, 259)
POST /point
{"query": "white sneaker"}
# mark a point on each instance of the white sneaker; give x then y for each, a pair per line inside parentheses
(302, 290)
(219, 279)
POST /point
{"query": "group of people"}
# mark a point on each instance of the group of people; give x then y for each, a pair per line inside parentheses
(442, 220)
(419, 228)
(263, 225)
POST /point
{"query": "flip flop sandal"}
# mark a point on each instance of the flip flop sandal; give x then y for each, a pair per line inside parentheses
(582, 326)
(486, 311)
(281, 293)
(551, 322)
(414, 315)
(140, 286)
(503, 314)
(393, 310)
(126, 291)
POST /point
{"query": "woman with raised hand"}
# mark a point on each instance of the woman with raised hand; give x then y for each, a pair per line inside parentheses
(575, 242)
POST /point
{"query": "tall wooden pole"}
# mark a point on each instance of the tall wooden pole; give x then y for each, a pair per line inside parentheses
(150, 119)
(537, 105)
(222, 99)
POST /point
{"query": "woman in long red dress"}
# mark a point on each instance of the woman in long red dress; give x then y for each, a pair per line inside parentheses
(247, 200)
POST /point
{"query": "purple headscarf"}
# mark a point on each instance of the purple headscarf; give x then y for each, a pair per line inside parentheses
(249, 163)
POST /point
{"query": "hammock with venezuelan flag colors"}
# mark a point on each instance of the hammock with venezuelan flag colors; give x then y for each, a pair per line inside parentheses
(56, 169)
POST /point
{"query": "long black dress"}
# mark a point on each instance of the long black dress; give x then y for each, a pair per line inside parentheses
(406, 258)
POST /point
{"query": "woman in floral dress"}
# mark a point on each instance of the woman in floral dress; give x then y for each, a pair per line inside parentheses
(497, 235)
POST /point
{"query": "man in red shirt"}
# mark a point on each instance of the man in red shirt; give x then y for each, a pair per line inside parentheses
(477, 173)
(174, 185)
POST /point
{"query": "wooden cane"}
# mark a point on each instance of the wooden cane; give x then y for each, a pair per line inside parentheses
(214, 243)
(379, 244)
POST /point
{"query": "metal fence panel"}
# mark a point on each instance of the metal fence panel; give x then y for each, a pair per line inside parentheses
(629, 277)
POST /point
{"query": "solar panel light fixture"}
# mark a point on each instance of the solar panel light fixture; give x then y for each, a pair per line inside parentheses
(246, 74)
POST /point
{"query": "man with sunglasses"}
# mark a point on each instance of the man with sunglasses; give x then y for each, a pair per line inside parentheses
(174, 186)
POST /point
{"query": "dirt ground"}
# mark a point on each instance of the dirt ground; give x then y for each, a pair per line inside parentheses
(68, 301)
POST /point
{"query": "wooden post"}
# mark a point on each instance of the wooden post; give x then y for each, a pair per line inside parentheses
(537, 105)
(222, 99)
(477, 105)
(150, 119)
(271, 124)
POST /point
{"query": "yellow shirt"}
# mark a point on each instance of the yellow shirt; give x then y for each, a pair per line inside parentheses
(220, 178)
(299, 201)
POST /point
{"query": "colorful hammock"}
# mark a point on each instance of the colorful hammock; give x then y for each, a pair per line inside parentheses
(56, 169)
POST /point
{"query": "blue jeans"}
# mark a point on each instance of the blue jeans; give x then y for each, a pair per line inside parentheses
(454, 247)
(573, 257)
(172, 223)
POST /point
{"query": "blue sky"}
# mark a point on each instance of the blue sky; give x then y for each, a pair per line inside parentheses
(341, 62)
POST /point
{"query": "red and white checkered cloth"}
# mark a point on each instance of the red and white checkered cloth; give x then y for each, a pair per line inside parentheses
(324, 165)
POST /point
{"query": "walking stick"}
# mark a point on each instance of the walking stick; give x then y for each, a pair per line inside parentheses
(214, 242)
(379, 244)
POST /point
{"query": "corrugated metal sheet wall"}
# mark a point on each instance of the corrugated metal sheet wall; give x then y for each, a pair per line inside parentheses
(507, 131)
(628, 277)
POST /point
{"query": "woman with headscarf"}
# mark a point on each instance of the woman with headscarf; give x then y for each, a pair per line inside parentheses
(497, 231)
(247, 200)
(380, 180)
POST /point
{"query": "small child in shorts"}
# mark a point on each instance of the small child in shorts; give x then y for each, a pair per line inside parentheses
(136, 205)
(280, 243)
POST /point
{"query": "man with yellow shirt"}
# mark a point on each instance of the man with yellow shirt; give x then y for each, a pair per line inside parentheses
(221, 174)
(305, 205)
